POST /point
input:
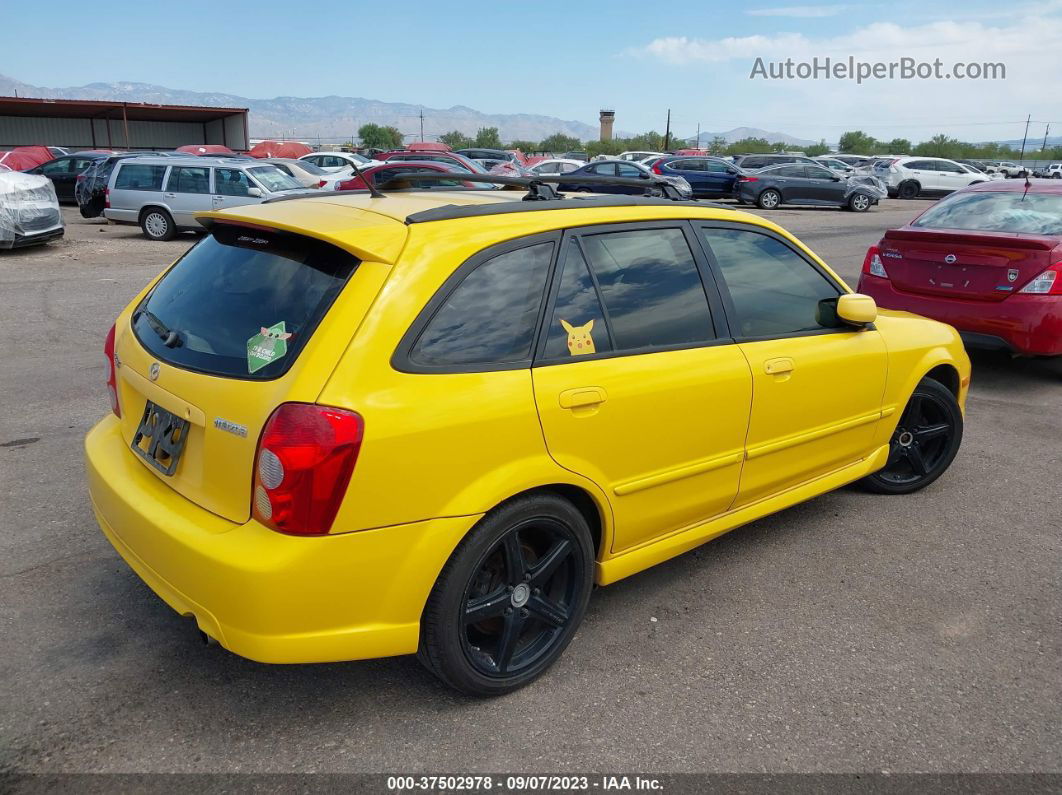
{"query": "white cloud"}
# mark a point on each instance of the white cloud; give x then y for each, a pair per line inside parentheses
(801, 12)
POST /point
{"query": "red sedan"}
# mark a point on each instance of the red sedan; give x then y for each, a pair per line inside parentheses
(406, 171)
(986, 259)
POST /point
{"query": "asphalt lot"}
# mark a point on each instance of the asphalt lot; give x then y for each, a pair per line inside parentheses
(852, 633)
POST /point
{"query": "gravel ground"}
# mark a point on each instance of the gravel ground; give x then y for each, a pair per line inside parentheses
(851, 633)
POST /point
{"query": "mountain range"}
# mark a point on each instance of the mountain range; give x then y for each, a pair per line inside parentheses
(335, 118)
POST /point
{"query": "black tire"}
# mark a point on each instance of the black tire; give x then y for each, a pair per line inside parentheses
(908, 190)
(157, 224)
(1056, 175)
(769, 199)
(859, 202)
(526, 569)
(924, 444)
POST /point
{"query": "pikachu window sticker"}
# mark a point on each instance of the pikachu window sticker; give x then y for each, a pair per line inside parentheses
(580, 342)
(268, 345)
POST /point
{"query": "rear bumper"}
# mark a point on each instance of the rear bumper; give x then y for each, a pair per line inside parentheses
(263, 595)
(1030, 325)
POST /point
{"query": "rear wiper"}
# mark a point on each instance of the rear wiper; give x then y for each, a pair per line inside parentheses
(169, 337)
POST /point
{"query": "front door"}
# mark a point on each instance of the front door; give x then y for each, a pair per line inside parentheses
(817, 384)
(636, 388)
(824, 185)
(232, 188)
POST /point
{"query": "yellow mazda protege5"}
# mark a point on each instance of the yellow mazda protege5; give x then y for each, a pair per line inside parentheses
(349, 425)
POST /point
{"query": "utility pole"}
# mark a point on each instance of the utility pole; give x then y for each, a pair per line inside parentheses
(422, 124)
(1042, 148)
(1023, 140)
(698, 135)
(667, 131)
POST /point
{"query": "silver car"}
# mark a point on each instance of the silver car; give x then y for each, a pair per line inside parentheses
(163, 194)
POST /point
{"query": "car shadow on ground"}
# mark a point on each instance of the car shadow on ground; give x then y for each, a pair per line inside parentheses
(1001, 372)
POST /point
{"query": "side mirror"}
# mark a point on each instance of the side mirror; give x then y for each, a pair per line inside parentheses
(835, 178)
(255, 193)
(857, 309)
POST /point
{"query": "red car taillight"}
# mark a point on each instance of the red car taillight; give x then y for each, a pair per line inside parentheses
(322, 183)
(305, 458)
(872, 264)
(112, 380)
(1047, 283)
(657, 169)
(107, 198)
(748, 179)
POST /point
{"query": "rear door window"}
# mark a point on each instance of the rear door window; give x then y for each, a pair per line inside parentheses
(489, 318)
(238, 292)
(186, 179)
(139, 176)
(231, 182)
(635, 290)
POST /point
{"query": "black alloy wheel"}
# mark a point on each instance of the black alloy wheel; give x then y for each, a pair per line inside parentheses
(510, 598)
(925, 442)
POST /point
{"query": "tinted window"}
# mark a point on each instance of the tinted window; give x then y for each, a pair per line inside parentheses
(920, 165)
(754, 162)
(386, 175)
(233, 284)
(815, 172)
(53, 168)
(629, 171)
(650, 287)
(490, 318)
(716, 168)
(231, 182)
(789, 171)
(997, 211)
(604, 169)
(952, 168)
(775, 291)
(577, 315)
(132, 176)
(185, 179)
(303, 165)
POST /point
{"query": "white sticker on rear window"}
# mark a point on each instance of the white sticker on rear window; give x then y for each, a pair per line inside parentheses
(267, 346)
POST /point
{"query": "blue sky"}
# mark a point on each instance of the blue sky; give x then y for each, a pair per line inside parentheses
(569, 59)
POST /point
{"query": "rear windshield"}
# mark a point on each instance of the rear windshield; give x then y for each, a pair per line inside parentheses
(997, 211)
(242, 302)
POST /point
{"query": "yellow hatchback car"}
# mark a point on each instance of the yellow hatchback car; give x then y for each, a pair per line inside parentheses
(351, 426)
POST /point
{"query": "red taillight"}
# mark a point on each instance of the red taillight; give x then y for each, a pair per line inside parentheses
(1047, 283)
(112, 379)
(107, 198)
(657, 169)
(347, 184)
(322, 183)
(872, 264)
(305, 458)
(748, 179)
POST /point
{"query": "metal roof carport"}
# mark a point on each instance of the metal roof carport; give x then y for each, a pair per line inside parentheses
(103, 124)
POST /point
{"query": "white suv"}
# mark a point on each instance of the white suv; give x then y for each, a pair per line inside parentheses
(908, 177)
(1053, 171)
(1008, 169)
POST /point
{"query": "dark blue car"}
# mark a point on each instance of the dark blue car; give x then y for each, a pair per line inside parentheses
(710, 177)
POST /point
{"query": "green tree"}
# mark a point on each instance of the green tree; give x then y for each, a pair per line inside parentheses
(374, 136)
(610, 148)
(717, 145)
(488, 138)
(940, 146)
(524, 146)
(559, 143)
(857, 142)
(455, 139)
(750, 146)
(817, 149)
(897, 146)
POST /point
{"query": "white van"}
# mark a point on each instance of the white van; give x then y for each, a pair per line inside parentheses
(162, 194)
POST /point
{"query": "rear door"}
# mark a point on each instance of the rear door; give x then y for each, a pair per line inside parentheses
(925, 172)
(232, 330)
(135, 185)
(817, 384)
(719, 178)
(187, 192)
(637, 386)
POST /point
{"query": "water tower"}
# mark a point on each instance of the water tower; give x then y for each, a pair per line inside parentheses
(607, 118)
